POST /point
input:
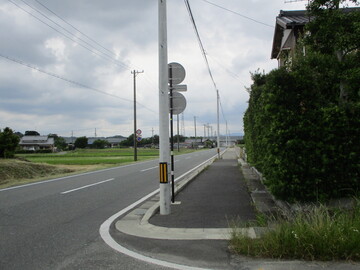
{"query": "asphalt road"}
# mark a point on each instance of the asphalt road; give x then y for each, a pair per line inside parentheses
(55, 224)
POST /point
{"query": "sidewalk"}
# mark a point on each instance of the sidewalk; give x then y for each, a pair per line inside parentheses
(217, 198)
(196, 232)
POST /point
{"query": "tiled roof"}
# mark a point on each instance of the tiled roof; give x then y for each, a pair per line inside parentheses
(291, 18)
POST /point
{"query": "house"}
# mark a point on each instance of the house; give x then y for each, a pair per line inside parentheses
(288, 29)
(34, 143)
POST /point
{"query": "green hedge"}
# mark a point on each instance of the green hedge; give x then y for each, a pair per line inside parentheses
(307, 146)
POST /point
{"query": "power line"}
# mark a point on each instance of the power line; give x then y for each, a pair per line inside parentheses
(204, 55)
(75, 28)
(199, 41)
(92, 49)
(69, 80)
(239, 14)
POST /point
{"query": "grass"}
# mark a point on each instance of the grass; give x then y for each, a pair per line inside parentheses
(317, 233)
(37, 167)
(15, 172)
(92, 156)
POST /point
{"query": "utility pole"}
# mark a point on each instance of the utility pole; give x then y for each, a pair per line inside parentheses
(218, 122)
(227, 135)
(195, 132)
(164, 150)
(152, 136)
(135, 73)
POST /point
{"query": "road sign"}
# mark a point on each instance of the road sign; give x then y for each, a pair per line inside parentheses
(176, 73)
(179, 88)
(139, 138)
(179, 103)
(138, 132)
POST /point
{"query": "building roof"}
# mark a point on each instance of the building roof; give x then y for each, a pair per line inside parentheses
(291, 20)
(287, 20)
(38, 140)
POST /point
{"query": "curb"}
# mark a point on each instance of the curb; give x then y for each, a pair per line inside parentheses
(136, 222)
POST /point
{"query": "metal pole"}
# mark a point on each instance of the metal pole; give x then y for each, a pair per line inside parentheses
(218, 123)
(164, 152)
(172, 137)
(135, 142)
(135, 138)
(178, 135)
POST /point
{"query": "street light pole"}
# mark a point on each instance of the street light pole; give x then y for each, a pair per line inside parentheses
(135, 139)
(164, 150)
(218, 122)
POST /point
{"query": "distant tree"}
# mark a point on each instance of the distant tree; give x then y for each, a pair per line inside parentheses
(99, 144)
(128, 142)
(32, 133)
(8, 143)
(156, 139)
(181, 138)
(60, 143)
(81, 142)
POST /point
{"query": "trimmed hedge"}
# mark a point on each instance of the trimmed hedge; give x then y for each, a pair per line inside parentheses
(307, 147)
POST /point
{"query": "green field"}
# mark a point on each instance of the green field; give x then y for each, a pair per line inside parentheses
(92, 156)
(113, 156)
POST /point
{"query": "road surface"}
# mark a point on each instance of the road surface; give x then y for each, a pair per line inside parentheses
(55, 224)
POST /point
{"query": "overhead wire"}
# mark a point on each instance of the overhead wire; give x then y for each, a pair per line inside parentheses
(88, 37)
(187, 4)
(92, 49)
(75, 28)
(239, 14)
(71, 81)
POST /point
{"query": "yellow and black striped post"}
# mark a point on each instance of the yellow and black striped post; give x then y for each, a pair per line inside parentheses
(163, 173)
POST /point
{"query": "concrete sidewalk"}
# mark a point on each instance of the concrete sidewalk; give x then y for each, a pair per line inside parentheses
(196, 232)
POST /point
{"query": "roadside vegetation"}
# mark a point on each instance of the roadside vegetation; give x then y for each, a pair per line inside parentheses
(315, 233)
(302, 131)
(27, 168)
(302, 125)
(15, 172)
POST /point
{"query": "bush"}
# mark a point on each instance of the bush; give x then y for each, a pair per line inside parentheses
(8, 143)
(307, 148)
(317, 233)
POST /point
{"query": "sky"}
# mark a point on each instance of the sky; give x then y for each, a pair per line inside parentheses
(65, 66)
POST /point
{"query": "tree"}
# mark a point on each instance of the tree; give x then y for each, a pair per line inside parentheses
(32, 133)
(60, 143)
(81, 142)
(8, 143)
(128, 142)
(99, 144)
(336, 32)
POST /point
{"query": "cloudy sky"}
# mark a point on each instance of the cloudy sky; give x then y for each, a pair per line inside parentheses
(66, 65)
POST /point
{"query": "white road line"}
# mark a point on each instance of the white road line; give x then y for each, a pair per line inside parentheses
(105, 232)
(98, 183)
(72, 176)
(148, 169)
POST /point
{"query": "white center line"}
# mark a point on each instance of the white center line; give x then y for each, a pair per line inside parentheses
(98, 183)
(148, 169)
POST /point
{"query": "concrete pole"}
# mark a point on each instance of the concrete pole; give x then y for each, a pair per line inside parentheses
(164, 149)
(218, 123)
(195, 132)
(227, 137)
